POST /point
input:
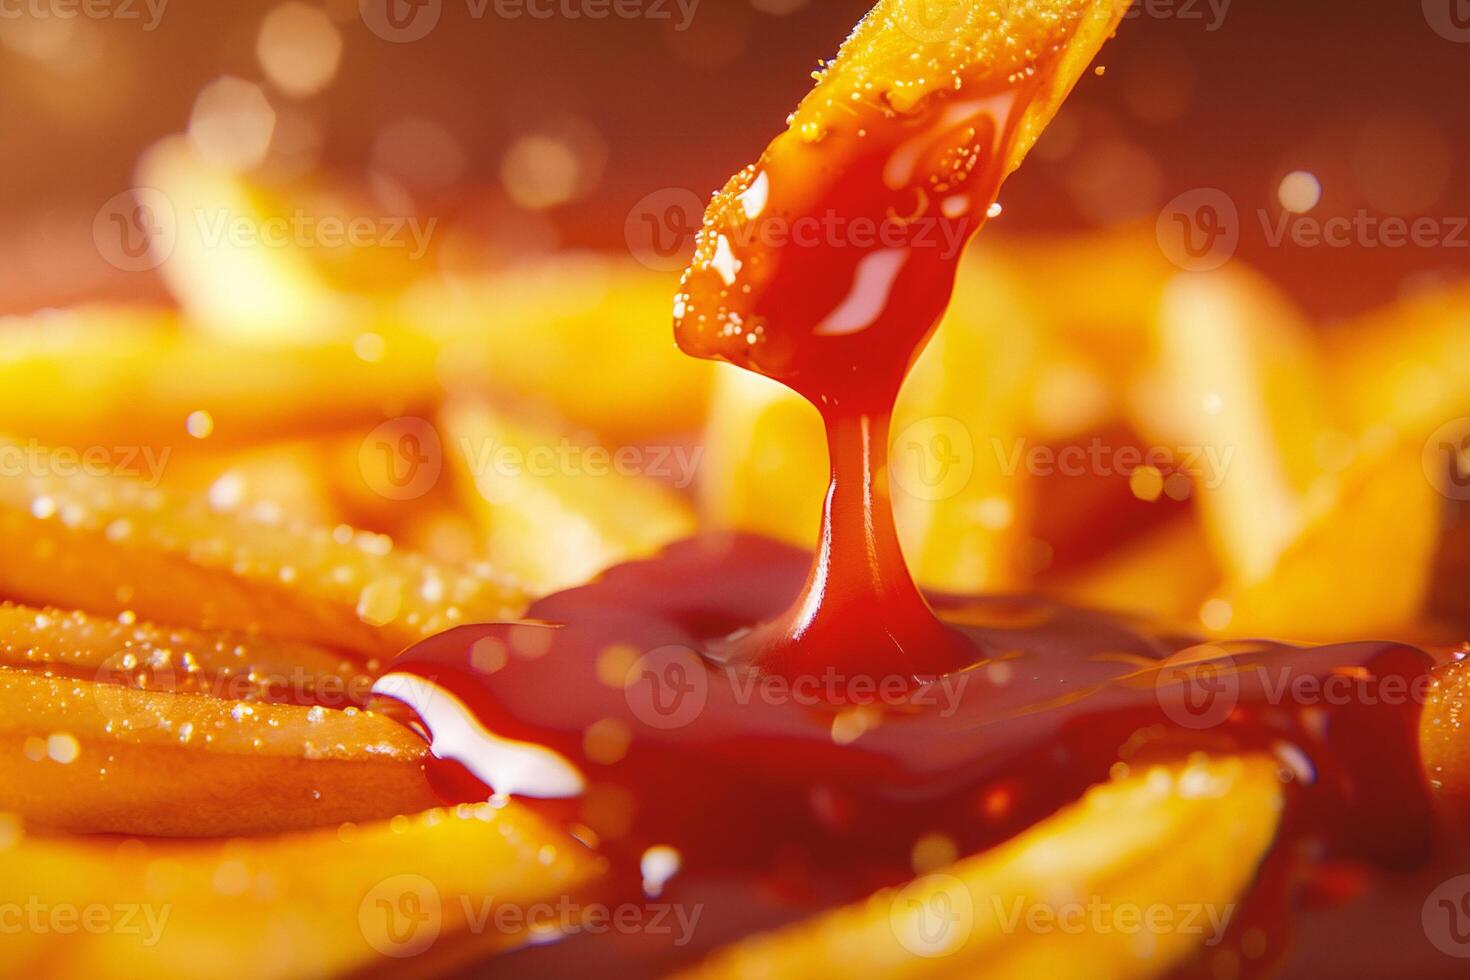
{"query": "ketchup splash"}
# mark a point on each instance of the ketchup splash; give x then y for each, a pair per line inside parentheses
(762, 734)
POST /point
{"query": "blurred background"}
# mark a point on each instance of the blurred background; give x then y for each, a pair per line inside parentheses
(521, 128)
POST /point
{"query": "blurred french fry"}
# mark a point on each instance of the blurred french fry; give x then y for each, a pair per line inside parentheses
(145, 656)
(1406, 366)
(1166, 573)
(280, 480)
(1238, 375)
(232, 280)
(555, 512)
(1181, 837)
(127, 382)
(1443, 742)
(108, 545)
(589, 336)
(960, 506)
(394, 894)
(1361, 565)
(96, 757)
(765, 461)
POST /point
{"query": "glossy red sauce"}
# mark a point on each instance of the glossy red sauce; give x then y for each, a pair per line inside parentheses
(790, 725)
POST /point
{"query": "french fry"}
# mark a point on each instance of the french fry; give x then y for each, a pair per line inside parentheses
(555, 513)
(1238, 375)
(960, 508)
(108, 545)
(588, 336)
(395, 894)
(145, 656)
(96, 757)
(1189, 835)
(1167, 573)
(126, 382)
(280, 480)
(765, 459)
(1443, 745)
(1406, 366)
(231, 281)
(1361, 565)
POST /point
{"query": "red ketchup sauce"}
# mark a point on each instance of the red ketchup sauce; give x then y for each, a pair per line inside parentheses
(761, 733)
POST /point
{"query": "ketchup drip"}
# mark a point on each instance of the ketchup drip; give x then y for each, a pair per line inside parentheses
(781, 728)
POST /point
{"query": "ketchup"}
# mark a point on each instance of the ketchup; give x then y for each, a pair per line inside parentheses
(762, 733)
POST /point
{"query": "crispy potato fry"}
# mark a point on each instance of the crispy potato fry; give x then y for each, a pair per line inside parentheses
(281, 480)
(332, 902)
(1361, 565)
(234, 666)
(553, 512)
(95, 377)
(97, 757)
(1190, 834)
(108, 545)
(1238, 375)
(1443, 743)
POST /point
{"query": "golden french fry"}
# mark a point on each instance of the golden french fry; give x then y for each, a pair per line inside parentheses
(234, 666)
(109, 545)
(125, 384)
(1166, 572)
(589, 335)
(287, 481)
(959, 497)
(1239, 380)
(1443, 746)
(1406, 366)
(765, 459)
(555, 512)
(392, 895)
(233, 265)
(1361, 565)
(97, 757)
(1188, 836)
